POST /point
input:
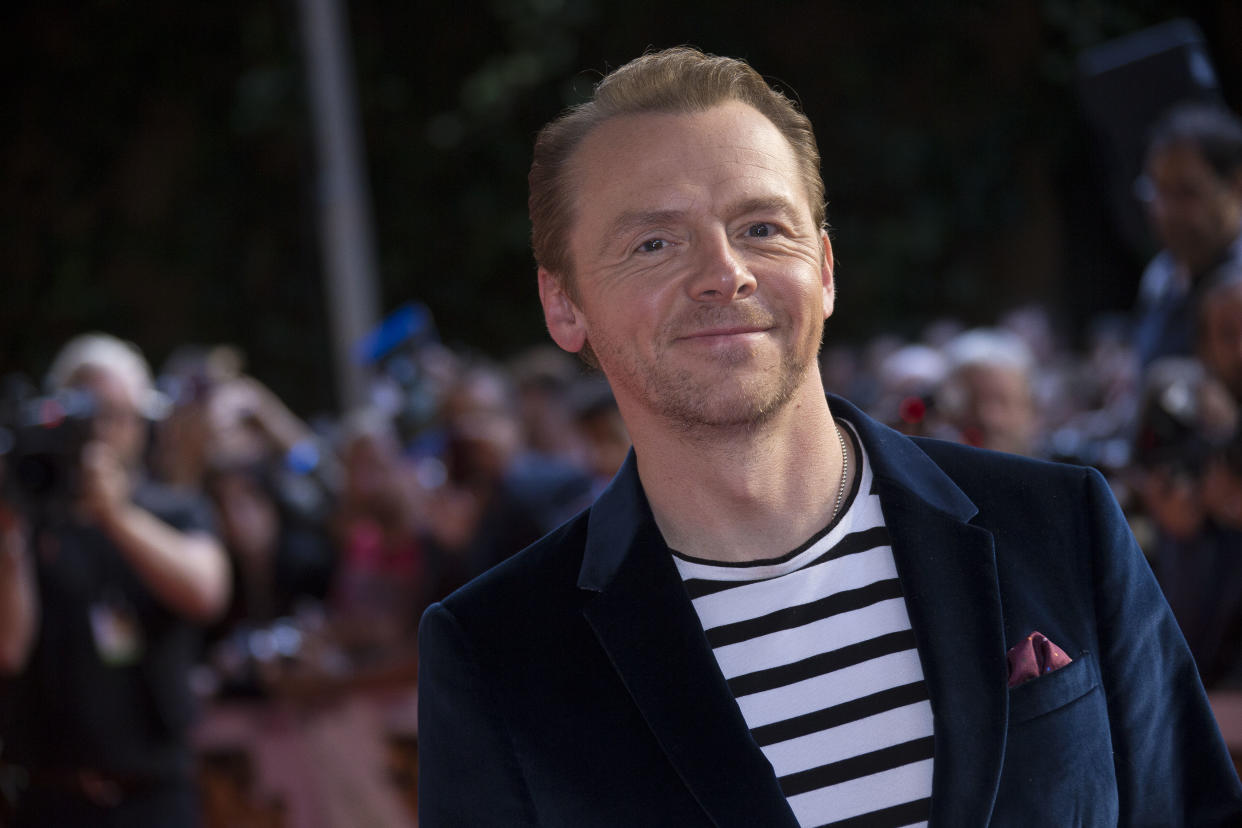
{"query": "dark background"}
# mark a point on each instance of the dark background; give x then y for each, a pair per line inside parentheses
(159, 172)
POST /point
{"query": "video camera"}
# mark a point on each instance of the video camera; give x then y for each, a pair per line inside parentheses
(1180, 429)
(41, 441)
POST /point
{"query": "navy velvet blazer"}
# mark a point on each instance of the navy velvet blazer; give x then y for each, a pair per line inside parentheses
(572, 685)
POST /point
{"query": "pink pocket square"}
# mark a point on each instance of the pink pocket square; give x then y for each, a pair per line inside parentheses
(1034, 656)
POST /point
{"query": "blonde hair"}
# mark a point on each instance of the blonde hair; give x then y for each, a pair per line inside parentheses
(118, 357)
(677, 80)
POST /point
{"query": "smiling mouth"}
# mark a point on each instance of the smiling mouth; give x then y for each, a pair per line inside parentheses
(738, 324)
(721, 333)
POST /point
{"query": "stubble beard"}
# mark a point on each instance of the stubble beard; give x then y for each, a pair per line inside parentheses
(721, 397)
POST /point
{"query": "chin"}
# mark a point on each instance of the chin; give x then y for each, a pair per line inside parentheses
(730, 405)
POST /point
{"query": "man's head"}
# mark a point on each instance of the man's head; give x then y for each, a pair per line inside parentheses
(680, 239)
(484, 429)
(988, 395)
(678, 80)
(118, 377)
(1194, 172)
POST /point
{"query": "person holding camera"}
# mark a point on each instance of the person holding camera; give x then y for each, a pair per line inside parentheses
(1185, 474)
(100, 597)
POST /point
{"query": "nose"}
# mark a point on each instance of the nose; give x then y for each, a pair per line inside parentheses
(719, 274)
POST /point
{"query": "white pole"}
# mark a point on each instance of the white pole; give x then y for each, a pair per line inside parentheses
(344, 216)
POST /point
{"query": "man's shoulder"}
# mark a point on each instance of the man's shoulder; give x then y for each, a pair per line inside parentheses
(965, 480)
(952, 456)
(998, 477)
(541, 576)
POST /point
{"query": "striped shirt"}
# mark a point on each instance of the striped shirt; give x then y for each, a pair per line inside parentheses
(817, 649)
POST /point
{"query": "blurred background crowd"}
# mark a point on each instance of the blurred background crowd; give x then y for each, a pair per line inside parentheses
(340, 531)
(315, 540)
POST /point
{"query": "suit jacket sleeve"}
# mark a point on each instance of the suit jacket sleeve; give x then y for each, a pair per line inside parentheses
(1171, 763)
(469, 775)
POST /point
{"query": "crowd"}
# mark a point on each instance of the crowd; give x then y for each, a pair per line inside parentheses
(361, 522)
(309, 550)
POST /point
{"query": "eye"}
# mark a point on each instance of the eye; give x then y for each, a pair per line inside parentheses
(759, 230)
(652, 245)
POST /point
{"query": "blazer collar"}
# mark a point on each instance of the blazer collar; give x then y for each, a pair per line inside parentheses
(618, 517)
(645, 621)
(622, 509)
(896, 459)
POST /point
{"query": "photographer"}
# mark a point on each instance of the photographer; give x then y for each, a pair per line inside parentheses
(1185, 475)
(101, 595)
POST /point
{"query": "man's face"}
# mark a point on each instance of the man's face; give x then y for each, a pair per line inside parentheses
(1221, 343)
(702, 282)
(998, 410)
(117, 422)
(1196, 213)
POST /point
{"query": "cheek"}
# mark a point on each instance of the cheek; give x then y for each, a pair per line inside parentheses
(811, 299)
(623, 319)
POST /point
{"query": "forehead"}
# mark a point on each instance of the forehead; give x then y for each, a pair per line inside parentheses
(674, 161)
(994, 375)
(107, 385)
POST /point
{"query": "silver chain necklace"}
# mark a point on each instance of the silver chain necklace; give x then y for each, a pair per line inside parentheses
(845, 469)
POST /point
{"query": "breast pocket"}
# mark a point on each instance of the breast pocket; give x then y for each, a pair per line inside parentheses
(1058, 751)
(1050, 691)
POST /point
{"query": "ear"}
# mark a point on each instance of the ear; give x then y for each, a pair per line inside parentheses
(565, 321)
(830, 287)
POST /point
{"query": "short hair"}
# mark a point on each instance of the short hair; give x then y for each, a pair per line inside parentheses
(102, 351)
(678, 80)
(1211, 129)
(990, 347)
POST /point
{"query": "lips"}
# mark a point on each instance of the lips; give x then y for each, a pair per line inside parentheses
(722, 332)
(753, 321)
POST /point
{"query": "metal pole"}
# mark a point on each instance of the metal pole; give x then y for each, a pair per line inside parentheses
(344, 216)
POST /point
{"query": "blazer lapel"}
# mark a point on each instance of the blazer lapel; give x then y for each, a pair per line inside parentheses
(948, 574)
(644, 620)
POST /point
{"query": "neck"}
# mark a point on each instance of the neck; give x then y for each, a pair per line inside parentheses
(746, 493)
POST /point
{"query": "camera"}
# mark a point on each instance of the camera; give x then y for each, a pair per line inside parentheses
(1186, 418)
(41, 441)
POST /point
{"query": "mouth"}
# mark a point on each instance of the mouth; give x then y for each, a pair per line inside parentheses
(726, 332)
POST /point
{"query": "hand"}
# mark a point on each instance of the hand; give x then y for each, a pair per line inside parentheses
(106, 484)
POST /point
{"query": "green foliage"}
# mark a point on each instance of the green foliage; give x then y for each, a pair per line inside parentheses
(159, 180)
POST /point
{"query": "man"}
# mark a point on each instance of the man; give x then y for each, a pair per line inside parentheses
(1193, 185)
(106, 591)
(781, 613)
(989, 394)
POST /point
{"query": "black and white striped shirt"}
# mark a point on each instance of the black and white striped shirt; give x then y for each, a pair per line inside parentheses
(817, 649)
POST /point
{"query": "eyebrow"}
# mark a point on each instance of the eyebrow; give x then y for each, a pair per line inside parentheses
(763, 204)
